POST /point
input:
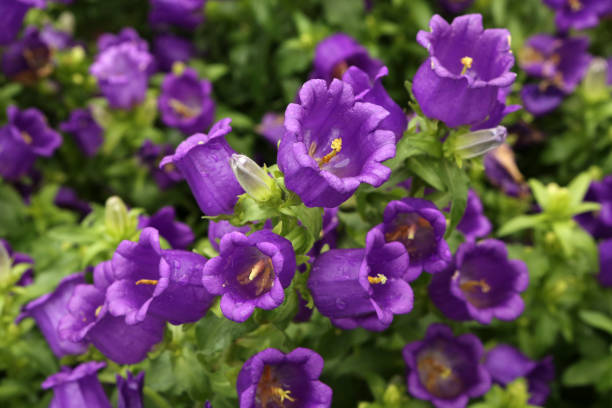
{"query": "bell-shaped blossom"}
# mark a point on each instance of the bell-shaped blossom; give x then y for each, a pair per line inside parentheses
(445, 369)
(28, 59)
(49, 309)
(85, 130)
(185, 102)
(169, 49)
(577, 14)
(605, 263)
(250, 271)
(456, 6)
(11, 17)
(67, 198)
(333, 143)
(481, 284)
(166, 284)
(17, 258)
(272, 378)
(78, 387)
(203, 159)
(502, 171)
(506, 364)
(130, 390)
(151, 154)
(217, 229)
(127, 35)
(599, 223)
(272, 127)
(419, 226)
(474, 224)
(178, 234)
(362, 287)
(186, 14)
(467, 72)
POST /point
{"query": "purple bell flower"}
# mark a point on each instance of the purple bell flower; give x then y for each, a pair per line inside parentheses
(419, 226)
(56, 39)
(482, 283)
(251, 271)
(49, 309)
(271, 378)
(502, 171)
(203, 159)
(150, 155)
(67, 198)
(272, 127)
(28, 59)
(178, 234)
(86, 131)
(130, 390)
(27, 277)
(577, 14)
(506, 364)
(163, 283)
(336, 53)
(185, 102)
(217, 229)
(467, 69)
(186, 14)
(11, 17)
(169, 49)
(605, 263)
(456, 6)
(444, 369)
(333, 143)
(474, 224)
(362, 287)
(126, 35)
(599, 224)
(372, 90)
(78, 387)
(22, 139)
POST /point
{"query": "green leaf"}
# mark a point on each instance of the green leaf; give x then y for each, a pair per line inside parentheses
(578, 187)
(520, 223)
(457, 184)
(428, 170)
(596, 319)
(586, 372)
(540, 192)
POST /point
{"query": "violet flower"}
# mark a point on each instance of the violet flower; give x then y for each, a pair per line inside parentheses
(577, 14)
(126, 35)
(12, 13)
(217, 229)
(67, 198)
(362, 287)
(178, 234)
(203, 159)
(185, 102)
(161, 283)
(605, 263)
(502, 171)
(599, 224)
(474, 224)
(56, 39)
(49, 309)
(250, 271)
(272, 127)
(78, 387)
(130, 390)
(186, 14)
(87, 134)
(444, 369)
(28, 59)
(456, 6)
(467, 69)
(419, 226)
(333, 143)
(150, 154)
(506, 364)
(17, 258)
(271, 378)
(169, 49)
(481, 284)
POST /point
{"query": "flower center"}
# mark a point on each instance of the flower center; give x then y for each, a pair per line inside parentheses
(26, 137)
(380, 278)
(432, 372)
(146, 282)
(472, 285)
(261, 274)
(467, 64)
(336, 146)
(270, 392)
(183, 110)
(575, 5)
(339, 69)
(416, 233)
(98, 309)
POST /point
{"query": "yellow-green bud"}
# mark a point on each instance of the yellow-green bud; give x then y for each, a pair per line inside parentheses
(253, 179)
(116, 217)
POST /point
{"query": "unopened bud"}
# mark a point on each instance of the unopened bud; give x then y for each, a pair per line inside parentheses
(480, 142)
(116, 217)
(596, 80)
(251, 177)
(5, 263)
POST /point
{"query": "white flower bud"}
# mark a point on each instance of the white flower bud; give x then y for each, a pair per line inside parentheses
(251, 177)
(480, 142)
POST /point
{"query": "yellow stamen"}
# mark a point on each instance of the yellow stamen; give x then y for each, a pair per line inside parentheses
(336, 146)
(470, 285)
(169, 167)
(403, 232)
(380, 278)
(182, 109)
(26, 137)
(575, 5)
(282, 394)
(262, 273)
(146, 282)
(257, 269)
(98, 310)
(509, 41)
(467, 64)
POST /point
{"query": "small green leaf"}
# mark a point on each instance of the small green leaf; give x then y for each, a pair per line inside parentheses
(428, 170)
(578, 187)
(597, 320)
(520, 223)
(457, 184)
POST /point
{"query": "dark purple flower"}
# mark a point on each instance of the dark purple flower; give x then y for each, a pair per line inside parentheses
(371, 90)
(18, 258)
(122, 72)
(28, 59)
(304, 313)
(185, 102)
(87, 318)
(541, 100)
(444, 369)
(49, 309)
(169, 49)
(605, 263)
(186, 14)
(203, 159)
(328, 234)
(11, 17)
(456, 6)
(481, 284)
(86, 131)
(130, 390)
(271, 378)
(599, 223)
(467, 68)
(506, 364)
(474, 224)
(217, 229)
(362, 287)
(151, 154)
(419, 226)
(332, 144)
(272, 127)
(56, 39)
(336, 53)
(78, 387)
(578, 14)
(150, 281)
(178, 234)
(126, 35)
(250, 271)
(501, 170)
(68, 199)
(22, 139)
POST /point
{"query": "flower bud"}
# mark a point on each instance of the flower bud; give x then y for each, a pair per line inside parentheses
(595, 80)
(5, 263)
(480, 142)
(252, 178)
(116, 217)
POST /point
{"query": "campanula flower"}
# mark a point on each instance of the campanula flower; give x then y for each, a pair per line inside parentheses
(186, 14)
(67, 198)
(130, 390)
(178, 234)
(86, 131)
(599, 223)
(78, 387)
(474, 224)
(28, 59)
(578, 14)
(11, 17)
(605, 263)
